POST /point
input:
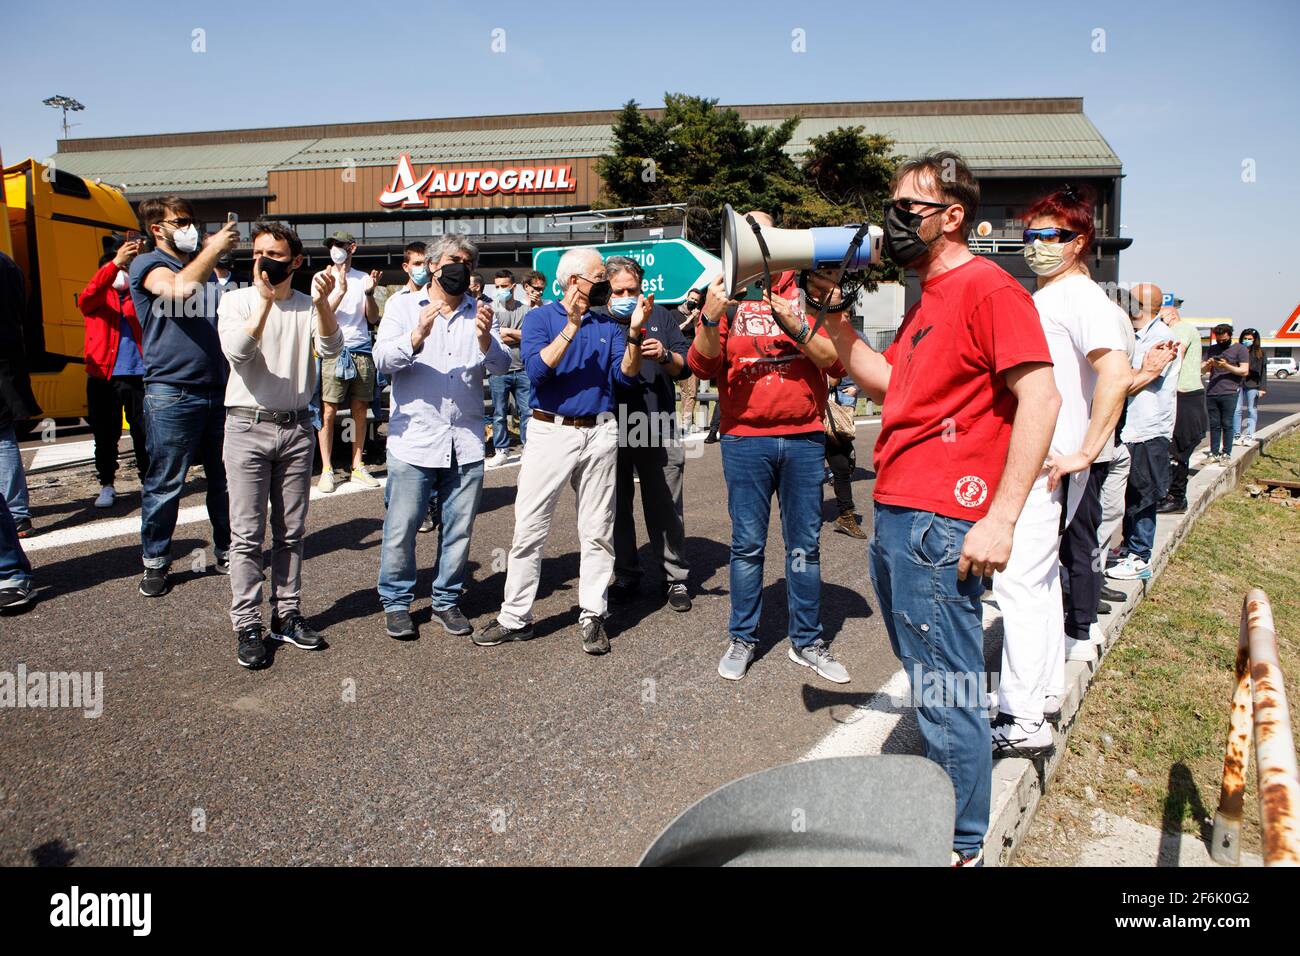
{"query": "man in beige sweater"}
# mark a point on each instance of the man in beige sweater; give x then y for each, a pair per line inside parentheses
(269, 332)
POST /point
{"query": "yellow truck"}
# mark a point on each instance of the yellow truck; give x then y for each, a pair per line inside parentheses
(57, 226)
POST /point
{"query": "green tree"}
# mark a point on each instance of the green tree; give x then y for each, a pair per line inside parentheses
(697, 153)
(702, 155)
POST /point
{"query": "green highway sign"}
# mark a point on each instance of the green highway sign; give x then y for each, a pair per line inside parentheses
(673, 267)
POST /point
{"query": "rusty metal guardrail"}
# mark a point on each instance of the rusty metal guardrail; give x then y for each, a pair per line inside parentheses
(1259, 712)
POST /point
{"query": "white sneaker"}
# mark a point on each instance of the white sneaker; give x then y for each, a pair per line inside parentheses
(1013, 737)
(1095, 634)
(106, 497)
(1052, 708)
(362, 476)
(1132, 568)
(496, 460)
(1076, 650)
(326, 483)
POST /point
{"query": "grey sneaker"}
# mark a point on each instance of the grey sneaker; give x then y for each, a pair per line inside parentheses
(735, 661)
(453, 621)
(399, 625)
(594, 638)
(497, 633)
(818, 656)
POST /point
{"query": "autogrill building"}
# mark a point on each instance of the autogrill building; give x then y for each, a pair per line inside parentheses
(498, 179)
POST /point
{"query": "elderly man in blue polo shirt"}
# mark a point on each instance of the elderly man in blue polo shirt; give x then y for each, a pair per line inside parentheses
(435, 345)
(574, 357)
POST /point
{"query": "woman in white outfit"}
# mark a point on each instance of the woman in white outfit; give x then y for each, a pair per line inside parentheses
(1091, 367)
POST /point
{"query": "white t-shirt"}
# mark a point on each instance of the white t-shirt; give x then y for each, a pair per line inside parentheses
(1077, 319)
(351, 312)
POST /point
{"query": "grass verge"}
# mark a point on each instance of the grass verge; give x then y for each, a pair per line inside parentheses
(1148, 742)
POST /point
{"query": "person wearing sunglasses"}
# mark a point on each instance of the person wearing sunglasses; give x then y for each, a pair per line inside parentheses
(185, 374)
(1042, 628)
(970, 405)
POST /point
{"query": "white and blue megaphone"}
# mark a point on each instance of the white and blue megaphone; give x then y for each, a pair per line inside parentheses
(744, 250)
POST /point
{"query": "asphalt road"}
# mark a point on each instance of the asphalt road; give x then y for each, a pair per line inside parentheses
(377, 751)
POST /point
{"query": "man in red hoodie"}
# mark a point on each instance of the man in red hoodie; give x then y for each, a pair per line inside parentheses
(114, 367)
(771, 373)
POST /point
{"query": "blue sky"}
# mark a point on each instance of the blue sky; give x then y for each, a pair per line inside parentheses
(1184, 92)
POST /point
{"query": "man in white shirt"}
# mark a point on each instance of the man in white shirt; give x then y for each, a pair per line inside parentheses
(349, 378)
(435, 344)
(268, 333)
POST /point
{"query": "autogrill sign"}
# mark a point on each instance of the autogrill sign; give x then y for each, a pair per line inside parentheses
(406, 190)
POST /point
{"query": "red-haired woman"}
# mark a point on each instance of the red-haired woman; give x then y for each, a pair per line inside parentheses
(1090, 361)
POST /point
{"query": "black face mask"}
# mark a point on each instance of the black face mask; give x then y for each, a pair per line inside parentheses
(691, 306)
(225, 262)
(277, 270)
(599, 294)
(454, 278)
(903, 243)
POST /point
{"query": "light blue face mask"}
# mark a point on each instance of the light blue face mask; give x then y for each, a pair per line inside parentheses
(420, 276)
(1248, 342)
(502, 296)
(622, 307)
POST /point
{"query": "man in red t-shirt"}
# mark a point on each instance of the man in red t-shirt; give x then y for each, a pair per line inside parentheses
(771, 373)
(969, 408)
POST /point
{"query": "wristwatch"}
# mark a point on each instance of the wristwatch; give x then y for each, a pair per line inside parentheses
(704, 320)
(804, 333)
(636, 338)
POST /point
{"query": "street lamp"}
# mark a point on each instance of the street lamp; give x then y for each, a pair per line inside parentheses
(67, 104)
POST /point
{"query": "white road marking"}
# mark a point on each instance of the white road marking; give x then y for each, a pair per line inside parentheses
(866, 730)
(193, 514)
(65, 453)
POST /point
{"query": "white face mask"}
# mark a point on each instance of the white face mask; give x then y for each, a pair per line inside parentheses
(120, 282)
(338, 255)
(186, 240)
(1045, 258)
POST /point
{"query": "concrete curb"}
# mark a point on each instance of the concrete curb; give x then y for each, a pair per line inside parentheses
(1018, 784)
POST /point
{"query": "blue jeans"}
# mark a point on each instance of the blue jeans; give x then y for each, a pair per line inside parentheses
(459, 488)
(1247, 398)
(14, 567)
(181, 426)
(511, 383)
(13, 480)
(936, 630)
(791, 466)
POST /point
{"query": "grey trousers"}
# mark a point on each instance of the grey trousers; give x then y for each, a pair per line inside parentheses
(267, 462)
(660, 469)
(1112, 497)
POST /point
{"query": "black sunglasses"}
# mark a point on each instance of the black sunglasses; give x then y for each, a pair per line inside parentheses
(906, 205)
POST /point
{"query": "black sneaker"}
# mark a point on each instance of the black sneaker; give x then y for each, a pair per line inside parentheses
(1113, 594)
(623, 592)
(594, 639)
(678, 597)
(14, 596)
(497, 633)
(252, 649)
(296, 631)
(155, 582)
(453, 621)
(399, 625)
(1172, 506)
(711, 438)
(428, 524)
(24, 528)
(222, 564)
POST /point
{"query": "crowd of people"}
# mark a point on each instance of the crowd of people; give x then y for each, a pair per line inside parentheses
(1020, 435)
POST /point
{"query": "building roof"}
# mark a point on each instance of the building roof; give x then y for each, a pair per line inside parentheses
(1008, 137)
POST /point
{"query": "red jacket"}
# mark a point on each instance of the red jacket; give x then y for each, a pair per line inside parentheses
(104, 308)
(766, 385)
